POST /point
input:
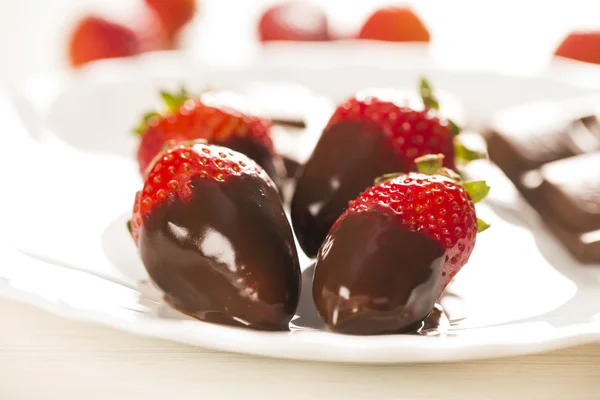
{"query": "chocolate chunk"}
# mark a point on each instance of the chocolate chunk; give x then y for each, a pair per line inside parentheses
(556, 167)
(572, 189)
(521, 150)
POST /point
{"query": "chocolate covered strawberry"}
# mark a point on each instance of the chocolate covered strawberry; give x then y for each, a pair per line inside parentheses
(211, 118)
(213, 235)
(389, 257)
(369, 135)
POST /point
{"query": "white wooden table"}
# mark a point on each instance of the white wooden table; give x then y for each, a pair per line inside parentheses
(45, 357)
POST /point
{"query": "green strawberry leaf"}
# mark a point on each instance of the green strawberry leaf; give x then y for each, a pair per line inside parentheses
(426, 93)
(465, 154)
(129, 227)
(430, 163)
(482, 225)
(174, 101)
(477, 190)
(144, 123)
(454, 128)
(388, 177)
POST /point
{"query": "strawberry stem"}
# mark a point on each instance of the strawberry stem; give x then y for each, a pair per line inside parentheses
(430, 163)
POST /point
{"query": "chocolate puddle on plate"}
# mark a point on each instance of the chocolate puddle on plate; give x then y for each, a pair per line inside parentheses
(437, 323)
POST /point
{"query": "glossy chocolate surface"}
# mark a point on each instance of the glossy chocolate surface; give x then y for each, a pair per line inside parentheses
(572, 187)
(346, 161)
(373, 276)
(556, 167)
(225, 255)
(270, 162)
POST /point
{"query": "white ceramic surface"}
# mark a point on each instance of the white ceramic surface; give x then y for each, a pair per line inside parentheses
(66, 249)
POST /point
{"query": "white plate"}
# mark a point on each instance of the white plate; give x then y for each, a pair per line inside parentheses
(72, 183)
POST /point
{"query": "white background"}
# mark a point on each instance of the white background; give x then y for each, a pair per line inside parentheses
(508, 35)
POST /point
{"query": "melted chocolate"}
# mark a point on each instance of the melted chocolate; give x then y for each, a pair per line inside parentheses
(291, 167)
(263, 156)
(346, 161)
(307, 317)
(225, 255)
(373, 276)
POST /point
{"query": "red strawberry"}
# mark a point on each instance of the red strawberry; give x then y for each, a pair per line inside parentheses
(394, 24)
(95, 38)
(209, 118)
(389, 257)
(148, 26)
(581, 46)
(371, 134)
(175, 14)
(213, 235)
(294, 20)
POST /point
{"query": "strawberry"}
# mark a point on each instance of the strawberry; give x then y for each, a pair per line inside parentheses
(96, 38)
(213, 235)
(389, 257)
(149, 27)
(294, 20)
(371, 134)
(394, 24)
(581, 46)
(209, 118)
(175, 14)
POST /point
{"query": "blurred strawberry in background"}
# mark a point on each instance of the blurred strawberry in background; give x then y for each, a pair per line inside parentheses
(147, 26)
(394, 24)
(96, 38)
(581, 46)
(175, 14)
(294, 20)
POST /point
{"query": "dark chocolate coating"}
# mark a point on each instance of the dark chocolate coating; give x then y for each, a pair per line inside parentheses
(225, 255)
(556, 167)
(262, 155)
(374, 276)
(347, 159)
(572, 188)
(291, 167)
